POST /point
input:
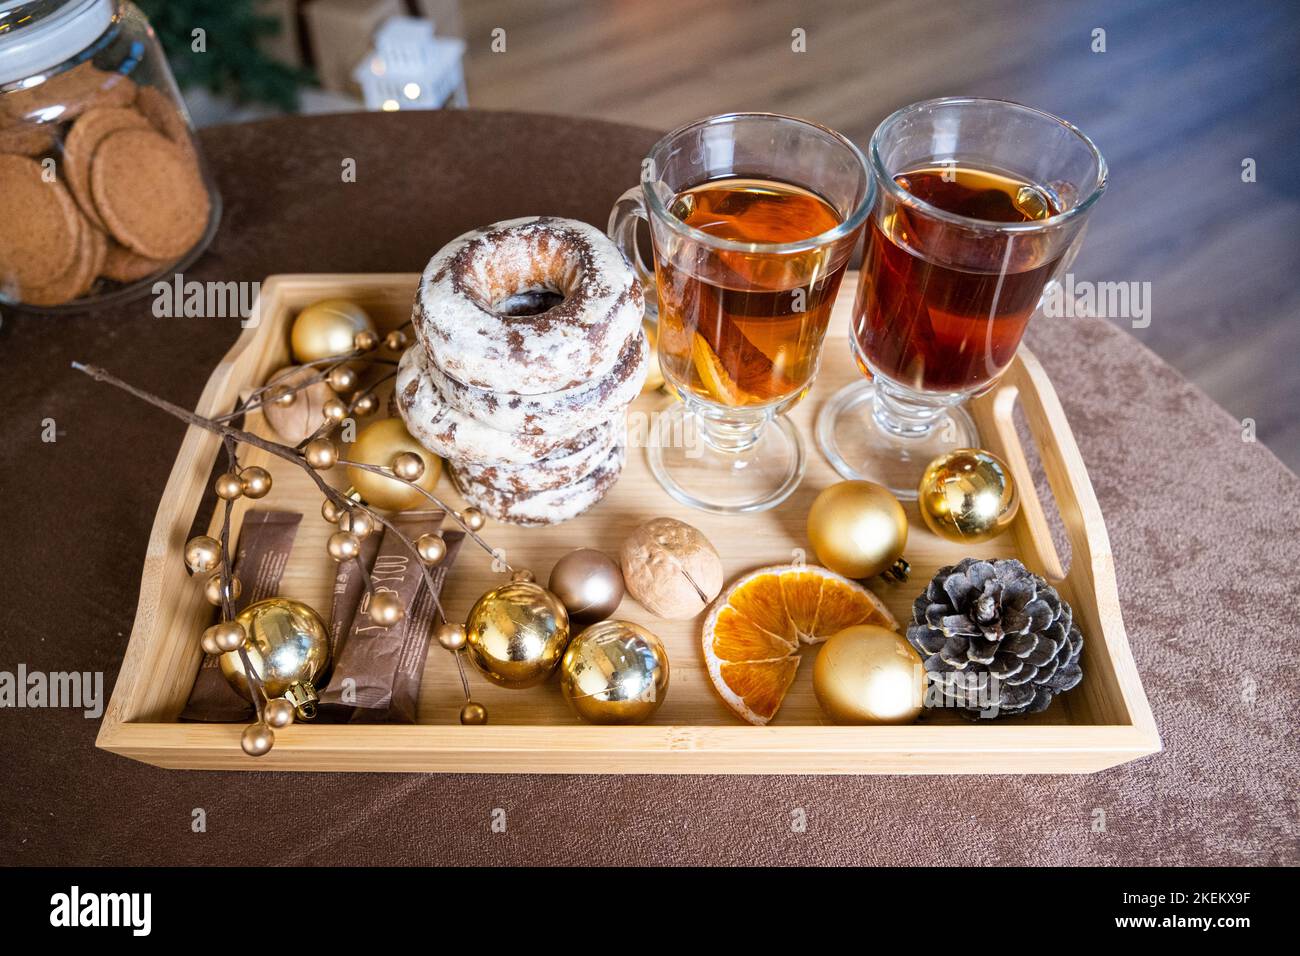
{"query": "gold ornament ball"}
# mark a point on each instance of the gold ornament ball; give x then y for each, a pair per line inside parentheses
(365, 342)
(968, 496)
(385, 608)
(257, 739)
(614, 672)
(288, 646)
(256, 482)
(408, 466)
(330, 511)
(208, 644)
(395, 340)
(227, 636)
(473, 519)
(473, 714)
(858, 529)
(328, 328)
(334, 410)
(365, 404)
(212, 588)
(516, 634)
(343, 546)
(869, 675)
(378, 444)
(277, 713)
(451, 636)
(202, 553)
(431, 548)
(357, 521)
(590, 583)
(321, 454)
(341, 378)
(228, 486)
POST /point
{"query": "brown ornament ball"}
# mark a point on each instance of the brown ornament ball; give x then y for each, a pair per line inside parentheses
(590, 584)
(473, 714)
(328, 328)
(202, 553)
(277, 713)
(378, 444)
(321, 454)
(869, 675)
(858, 529)
(257, 739)
(256, 481)
(671, 568)
(450, 636)
(296, 415)
(385, 608)
(212, 588)
(228, 486)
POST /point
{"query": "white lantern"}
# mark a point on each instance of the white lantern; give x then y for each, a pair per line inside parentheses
(411, 69)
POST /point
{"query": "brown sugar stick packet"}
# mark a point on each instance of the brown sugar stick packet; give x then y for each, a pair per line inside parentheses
(265, 540)
(349, 588)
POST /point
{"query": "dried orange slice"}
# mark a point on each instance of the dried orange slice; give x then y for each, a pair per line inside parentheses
(721, 387)
(753, 631)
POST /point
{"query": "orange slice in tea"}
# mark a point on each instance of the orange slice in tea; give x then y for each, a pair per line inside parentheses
(754, 629)
(722, 388)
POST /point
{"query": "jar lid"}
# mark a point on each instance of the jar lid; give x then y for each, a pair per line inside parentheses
(36, 35)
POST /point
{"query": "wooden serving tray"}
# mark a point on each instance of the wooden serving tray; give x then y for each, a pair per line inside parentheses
(1103, 722)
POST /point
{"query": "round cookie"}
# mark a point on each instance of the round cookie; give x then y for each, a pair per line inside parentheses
(67, 95)
(552, 411)
(451, 433)
(38, 226)
(27, 139)
(552, 506)
(91, 129)
(149, 193)
(92, 246)
(158, 108)
(567, 464)
(540, 303)
(123, 265)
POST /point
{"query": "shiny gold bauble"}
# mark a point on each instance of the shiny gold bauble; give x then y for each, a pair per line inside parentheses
(227, 636)
(343, 546)
(295, 408)
(614, 672)
(473, 714)
(341, 378)
(451, 636)
(516, 634)
(590, 584)
(365, 342)
(869, 675)
(365, 404)
(212, 588)
(968, 496)
(228, 486)
(330, 511)
(257, 739)
(321, 454)
(256, 482)
(395, 341)
(328, 328)
(858, 529)
(408, 466)
(334, 410)
(385, 608)
(431, 548)
(357, 521)
(277, 713)
(288, 647)
(209, 645)
(523, 574)
(473, 519)
(378, 444)
(202, 553)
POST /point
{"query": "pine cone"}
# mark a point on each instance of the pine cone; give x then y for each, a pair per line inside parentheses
(996, 618)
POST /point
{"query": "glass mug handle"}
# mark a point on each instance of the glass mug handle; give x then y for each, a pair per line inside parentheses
(629, 208)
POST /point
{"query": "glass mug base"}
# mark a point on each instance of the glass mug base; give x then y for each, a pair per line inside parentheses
(859, 448)
(725, 468)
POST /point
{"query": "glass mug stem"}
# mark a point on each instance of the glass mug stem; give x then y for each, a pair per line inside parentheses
(903, 414)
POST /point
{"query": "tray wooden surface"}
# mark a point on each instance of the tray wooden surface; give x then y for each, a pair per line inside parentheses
(1104, 721)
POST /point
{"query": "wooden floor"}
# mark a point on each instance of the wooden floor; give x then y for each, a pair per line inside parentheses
(1184, 92)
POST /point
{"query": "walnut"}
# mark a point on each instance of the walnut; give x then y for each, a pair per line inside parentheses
(302, 416)
(671, 568)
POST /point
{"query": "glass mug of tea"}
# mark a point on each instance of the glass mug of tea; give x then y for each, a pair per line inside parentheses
(753, 218)
(981, 205)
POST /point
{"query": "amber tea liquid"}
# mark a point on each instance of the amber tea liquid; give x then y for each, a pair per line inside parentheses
(742, 328)
(937, 328)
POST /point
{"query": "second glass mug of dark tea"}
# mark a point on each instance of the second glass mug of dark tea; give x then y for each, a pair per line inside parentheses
(752, 218)
(980, 207)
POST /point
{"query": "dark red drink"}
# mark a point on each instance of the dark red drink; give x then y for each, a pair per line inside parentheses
(942, 306)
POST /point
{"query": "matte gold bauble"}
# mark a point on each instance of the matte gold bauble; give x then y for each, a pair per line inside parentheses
(385, 608)
(296, 414)
(277, 713)
(378, 444)
(614, 672)
(288, 647)
(869, 675)
(257, 739)
(328, 328)
(212, 588)
(589, 583)
(516, 634)
(256, 482)
(968, 496)
(473, 714)
(202, 553)
(858, 529)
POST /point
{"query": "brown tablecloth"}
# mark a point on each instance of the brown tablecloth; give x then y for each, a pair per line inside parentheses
(1205, 527)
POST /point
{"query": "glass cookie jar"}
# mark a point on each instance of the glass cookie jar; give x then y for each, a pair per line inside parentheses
(102, 185)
